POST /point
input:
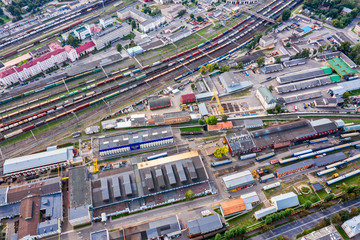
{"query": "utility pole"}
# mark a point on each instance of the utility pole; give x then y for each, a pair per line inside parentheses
(66, 85)
(107, 105)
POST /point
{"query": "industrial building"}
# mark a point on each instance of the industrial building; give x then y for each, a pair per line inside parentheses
(302, 75)
(106, 21)
(250, 199)
(31, 164)
(165, 228)
(266, 98)
(296, 167)
(266, 41)
(111, 35)
(146, 22)
(329, 159)
(159, 102)
(328, 232)
(272, 68)
(132, 141)
(149, 184)
(176, 117)
(37, 205)
(341, 68)
(264, 212)
(188, 98)
(284, 201)
(352, 227)
(238, 181)
(294, 62)
(232, 83)
(79, 196)
(100, 235)
(206, 226)
(278, 136)
(332, 102)
(343, 87)
(220, 126)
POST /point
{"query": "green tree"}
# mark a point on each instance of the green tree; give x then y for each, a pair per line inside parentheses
(240, 65)
(346, 94)
(133, 24)
(336, 219)
(268, 219)
(118, 47)
(192, 16)
(345, 215)
(288, 45)
(224, 68)
(189, 195)
(329, 197)
(227, 235)
(132, 43)
(181, 12)
(201, 122)
(218, 236)
(307, 205)
(278, 59)
(260, 61)
(210, 67)
(224, 118)
(72, 41)
(203, 70)
(212, 120)
(305, 53)
(216, 65)
(271, 88)
(286, 14)
(354, 211)
(314, 51)
(314, 199)
(199, 18)
(321, 49)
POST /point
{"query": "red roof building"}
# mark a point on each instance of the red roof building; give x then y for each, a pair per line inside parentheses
(95, 29)
(86, 47)
(188, 98)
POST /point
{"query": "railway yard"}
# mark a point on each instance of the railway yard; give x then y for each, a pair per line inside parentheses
(146, 120)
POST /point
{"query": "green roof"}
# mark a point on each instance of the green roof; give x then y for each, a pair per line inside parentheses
(269, 98)
(335, 78)
(327, 70)
(341, 67)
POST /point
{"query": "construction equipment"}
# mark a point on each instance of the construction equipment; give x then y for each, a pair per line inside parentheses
(335, 175)
(255, 174)
(96, 167)
(220, 108)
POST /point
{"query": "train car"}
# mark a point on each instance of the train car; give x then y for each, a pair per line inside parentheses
(220, 163)
(267, 177)
(156, 63)
(322, 173)
(302, 152)
(266, 156)
(160, 155)
(357, 146)
(274, 161)
(319, 140)
(341, 178)
(140, 77)
(248, 156)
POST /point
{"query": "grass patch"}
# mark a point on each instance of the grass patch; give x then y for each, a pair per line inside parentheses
(191, 129)
(218, 211)
(81, 226)
(342, 233)
(128, 37)
(352, 120)
(245, 219)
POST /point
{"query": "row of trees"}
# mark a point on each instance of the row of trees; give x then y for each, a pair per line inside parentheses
(237, 232)
(351, 52)
(209, 68)
(278, 215)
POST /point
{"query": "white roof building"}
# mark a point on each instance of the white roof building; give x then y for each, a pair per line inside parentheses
(38, 161)
(238, 180)
(286, 200)
(352, 226)
(249, 199)
(264, 212)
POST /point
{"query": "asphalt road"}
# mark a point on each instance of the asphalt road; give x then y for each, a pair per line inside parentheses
(294, 228)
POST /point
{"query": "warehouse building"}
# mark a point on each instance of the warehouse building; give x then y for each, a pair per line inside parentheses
(154, 137)
(233, 207)
(232, 83)
(176, 117)
(250, 59)
(302, 75)
(31, 164)
(301, 97)
(206, 226)
(266, 98)
(272, 68)
(341, 68)
(79, 196)
(343, 87)
(165, 228)
(111, 35)
(332, 102)
(38, 205)
(294, 62)
(238, 181)
(266, 41)
(188, 98)
(146, 22)
(253, 123)
(239, 142)
(326, 233)
(100, 235)
(324, 126)
(159, 102)
(329, 159)
(296, 167)
(352, 227)
(250, 199)
(264, 212)
(149, 184)
(284, 201)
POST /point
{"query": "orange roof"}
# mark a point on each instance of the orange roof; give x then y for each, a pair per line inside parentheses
(220, 125)
(233, 206)
(151, 121)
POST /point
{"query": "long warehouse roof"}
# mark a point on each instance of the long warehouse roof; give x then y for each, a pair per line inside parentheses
(38, 160)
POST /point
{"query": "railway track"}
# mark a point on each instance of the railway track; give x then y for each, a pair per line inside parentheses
(197, 61)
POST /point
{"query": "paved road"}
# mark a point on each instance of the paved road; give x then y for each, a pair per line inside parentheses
(294, 228)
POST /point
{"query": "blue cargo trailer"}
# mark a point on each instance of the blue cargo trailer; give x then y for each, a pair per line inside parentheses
(219, 163)
(157, 156)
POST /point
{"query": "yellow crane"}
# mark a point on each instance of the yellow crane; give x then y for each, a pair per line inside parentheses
(220, 108)
(96, 167)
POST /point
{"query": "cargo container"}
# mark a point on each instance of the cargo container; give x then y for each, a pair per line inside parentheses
(322, 173)
(319, 140)
(157, 156)
(302, 152)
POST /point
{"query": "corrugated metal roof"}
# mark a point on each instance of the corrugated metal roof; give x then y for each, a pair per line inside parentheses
(37, 160)
(205, 225)
(286, 200)
(238, 179)
(264, 212)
